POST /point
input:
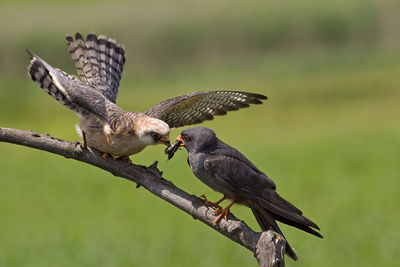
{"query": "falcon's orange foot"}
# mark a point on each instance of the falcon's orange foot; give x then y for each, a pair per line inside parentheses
(223, 213)
(106, 155)
(213, 204)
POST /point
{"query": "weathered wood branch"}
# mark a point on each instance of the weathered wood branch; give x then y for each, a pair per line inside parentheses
(268, 247)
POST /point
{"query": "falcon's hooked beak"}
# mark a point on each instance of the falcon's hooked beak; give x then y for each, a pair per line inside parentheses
(165, 140)
(181, 140)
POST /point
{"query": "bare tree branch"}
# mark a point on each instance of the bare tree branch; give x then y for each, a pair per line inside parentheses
(268, 247)
(270, 250)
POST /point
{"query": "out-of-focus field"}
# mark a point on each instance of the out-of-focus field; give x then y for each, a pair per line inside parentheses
(329, 134)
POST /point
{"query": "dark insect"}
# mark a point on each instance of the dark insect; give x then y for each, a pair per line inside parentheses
(171, 149)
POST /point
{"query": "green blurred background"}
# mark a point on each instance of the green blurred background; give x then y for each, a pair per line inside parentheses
(329, 135)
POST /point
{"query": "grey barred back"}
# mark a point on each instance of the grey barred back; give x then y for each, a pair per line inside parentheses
(99, 61)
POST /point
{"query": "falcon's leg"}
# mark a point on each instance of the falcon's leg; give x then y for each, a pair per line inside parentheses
(108, 138)
(84, 139)
(224, 212)
(213, 204)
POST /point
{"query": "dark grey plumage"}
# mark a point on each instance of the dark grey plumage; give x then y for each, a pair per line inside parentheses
(226, 170)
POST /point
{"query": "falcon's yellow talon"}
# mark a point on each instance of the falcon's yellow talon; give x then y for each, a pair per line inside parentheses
(213, 204)
(223, 213)
(218, 210)
(106, 155)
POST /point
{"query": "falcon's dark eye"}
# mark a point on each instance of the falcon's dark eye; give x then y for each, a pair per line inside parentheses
(184, 137)
(155, 136)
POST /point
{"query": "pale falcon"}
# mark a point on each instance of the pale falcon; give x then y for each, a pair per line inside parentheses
(105, 126)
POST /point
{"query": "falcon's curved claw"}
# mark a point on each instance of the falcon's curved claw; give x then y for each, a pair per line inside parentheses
(106, 155)
(213, 204)
(124, 158)
(223, 213)
(217, 210)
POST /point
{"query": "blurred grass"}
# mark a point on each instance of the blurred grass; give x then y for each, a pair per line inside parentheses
(329, 135)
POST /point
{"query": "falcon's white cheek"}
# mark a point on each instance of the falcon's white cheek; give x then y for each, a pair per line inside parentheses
(145, 126)
(146, 140)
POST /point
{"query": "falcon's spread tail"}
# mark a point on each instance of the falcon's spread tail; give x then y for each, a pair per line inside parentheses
(66, 89)
(99, 61)
(49, 79)
(274, 207)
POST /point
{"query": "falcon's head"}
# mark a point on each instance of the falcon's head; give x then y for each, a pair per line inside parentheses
(197, 138)
(151, 131)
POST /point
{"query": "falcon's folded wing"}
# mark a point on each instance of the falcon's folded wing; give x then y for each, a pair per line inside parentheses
(200, 106)
(237, 175)
(248, 184)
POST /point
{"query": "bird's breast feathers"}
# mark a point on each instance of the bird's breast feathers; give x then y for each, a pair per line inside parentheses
(101, 137)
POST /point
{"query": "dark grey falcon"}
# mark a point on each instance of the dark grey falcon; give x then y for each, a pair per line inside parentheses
(105, 126)
(227, 171)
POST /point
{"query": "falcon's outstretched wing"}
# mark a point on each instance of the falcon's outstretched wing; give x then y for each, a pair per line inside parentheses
(200, 106)
(99, 61)
(82, 98)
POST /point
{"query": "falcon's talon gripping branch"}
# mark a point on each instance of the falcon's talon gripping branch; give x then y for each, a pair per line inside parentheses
(107, 155)
(223, 212)
(213, 204)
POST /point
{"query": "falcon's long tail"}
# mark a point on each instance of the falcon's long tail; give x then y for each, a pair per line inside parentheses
(266, 222)
(53, 81)
(99, 61)
(273, 207)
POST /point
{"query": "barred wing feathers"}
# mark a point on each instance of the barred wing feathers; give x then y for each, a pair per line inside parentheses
(99, 61)
(200, 106)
